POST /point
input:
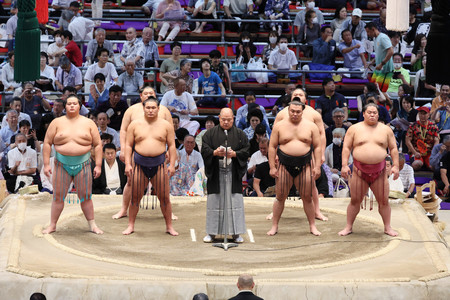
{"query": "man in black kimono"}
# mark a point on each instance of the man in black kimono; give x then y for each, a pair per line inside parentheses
(225, 177)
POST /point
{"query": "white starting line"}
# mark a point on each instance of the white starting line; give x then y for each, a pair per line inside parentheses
(250, 235)
(193, 237)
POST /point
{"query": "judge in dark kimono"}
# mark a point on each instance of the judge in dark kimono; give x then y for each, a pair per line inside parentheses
(213, 152)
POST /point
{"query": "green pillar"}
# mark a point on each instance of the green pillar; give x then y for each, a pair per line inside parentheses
(27, 43)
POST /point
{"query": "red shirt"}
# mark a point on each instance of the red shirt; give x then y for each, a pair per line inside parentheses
(427, 134)
(74, 54)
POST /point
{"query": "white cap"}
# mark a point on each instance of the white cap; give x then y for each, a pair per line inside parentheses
(357, 12)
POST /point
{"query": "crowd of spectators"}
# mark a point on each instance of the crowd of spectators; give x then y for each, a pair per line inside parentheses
(112, 82)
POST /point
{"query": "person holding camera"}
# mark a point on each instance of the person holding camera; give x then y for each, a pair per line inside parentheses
(30, 135)
(399, 76)
(33, 103)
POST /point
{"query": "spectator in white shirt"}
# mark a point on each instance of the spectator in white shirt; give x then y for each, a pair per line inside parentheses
(46, 82)
(102, 66)
(16, 104)
(406, 173)
(80, 27)
(7, 76)
(102, 122)
(283, 59)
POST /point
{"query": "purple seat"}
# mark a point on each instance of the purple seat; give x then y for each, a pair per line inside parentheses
(352, 103)
(185, 49)
(109, 25)
(354, 80)
(266, 102)
(422, 180)
(138, 25)
(316, 80)
(202, 49)
(259, 49)
(117, 47)
(196, 74)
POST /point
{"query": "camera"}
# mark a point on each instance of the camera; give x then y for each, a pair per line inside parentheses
(246, 44)
(395, 76)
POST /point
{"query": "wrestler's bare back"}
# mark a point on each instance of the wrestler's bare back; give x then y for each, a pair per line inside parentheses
(296, 139)
(72, 136)
(150, 139)
(369, 143)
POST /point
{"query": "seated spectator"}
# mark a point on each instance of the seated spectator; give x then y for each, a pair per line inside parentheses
(356, 25)
(98, 42)
(444, 172)
(46, 81)
(68, 74)
(380, 22)
(22, 163)
(70, 6)
(151, 6)
(240, 8)
(329, 100)
(254, 117)
(397, 44)
(283, 100)
(220, 69)
(100, 93)
(399, 76)
(7, 132)
(421, 138)
(440, 117)
(394, 184)
(102, 122)
(131, 81)
(33, 103)
(204, 9)
(258, 157)
(132, 48)
(67, 90)
(42, 128)
(102, 66)
(405, 117)
(338, 122)
(277, 10)
(30, 135)
(106, 138)
(210, 84)
(333, 153)
(438, 152)
(418, 51)
(73, 52)
(283, 59)
(300, 17)
(423, 89)
(270, 47)
(16, 105)
(11, 25)
(246, 49)
(114, 108)
(189, 162)
(181, 103)
(183, 73)
(151, 54)
(404, 90)
(245, 285)
(260, 132)
(410, 34)
(354, 55)
(57, 109)
(340, 15)
(81, 28)
(383, 114)
(241, 114)
(406, 174)
(180, 134)
(210, 122)
(56, 50)
(324, 48)
(112, 179)
(7, 74)
(169, 9)
(170, 64)
(308, 33)
(439, 101)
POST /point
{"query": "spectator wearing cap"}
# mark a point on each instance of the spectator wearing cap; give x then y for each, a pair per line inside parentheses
(420, 139)
(210, 84)
(130, 80)
(241, 114)
(169, 64)
(182, 73)
(329, 100)
(133, 48)
(355, 25)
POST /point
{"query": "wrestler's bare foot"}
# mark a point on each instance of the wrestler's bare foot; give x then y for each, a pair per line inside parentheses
(390, 231)
(269, 216)
(97, 230)
(49, 229)
(129, 230)
(345, 231)
(174, 217)
(171, 231)
(314, 230)
(273, 230)
(321, 217)
(119, 215)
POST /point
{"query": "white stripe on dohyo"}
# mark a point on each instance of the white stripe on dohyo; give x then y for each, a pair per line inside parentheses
(193, 237)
